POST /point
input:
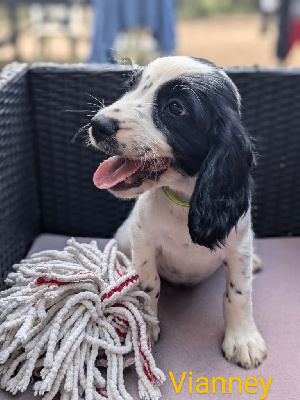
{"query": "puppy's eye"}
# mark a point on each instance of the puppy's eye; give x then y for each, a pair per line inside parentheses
(175, 108)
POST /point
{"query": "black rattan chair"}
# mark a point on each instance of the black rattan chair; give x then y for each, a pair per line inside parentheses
(46, 186)
(46, 177)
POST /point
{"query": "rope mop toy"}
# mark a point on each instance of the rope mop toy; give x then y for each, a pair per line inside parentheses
(67, 314)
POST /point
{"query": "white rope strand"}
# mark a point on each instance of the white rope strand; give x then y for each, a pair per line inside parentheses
(67, 314)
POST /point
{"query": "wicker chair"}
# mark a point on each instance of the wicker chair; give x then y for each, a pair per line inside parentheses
(46, 190)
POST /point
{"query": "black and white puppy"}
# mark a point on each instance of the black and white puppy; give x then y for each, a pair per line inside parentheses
(179, 126)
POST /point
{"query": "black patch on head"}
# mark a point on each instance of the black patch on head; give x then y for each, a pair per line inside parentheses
(208, 140)
(149, 289)
(116, 109)
(184, 133)
(157, 295)
(204, 61)
(231, 285)
(238, 292)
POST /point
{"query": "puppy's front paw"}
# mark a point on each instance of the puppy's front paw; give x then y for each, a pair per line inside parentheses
(153, 332)
(247, 350)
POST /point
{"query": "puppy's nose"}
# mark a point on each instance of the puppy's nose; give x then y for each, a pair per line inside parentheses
(103, 127)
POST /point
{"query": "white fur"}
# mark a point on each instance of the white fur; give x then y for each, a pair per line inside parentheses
(156, 235)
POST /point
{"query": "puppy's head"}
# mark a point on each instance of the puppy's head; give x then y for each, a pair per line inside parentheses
(180, 116)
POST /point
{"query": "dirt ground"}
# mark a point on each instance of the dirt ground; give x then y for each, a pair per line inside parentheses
(233, 41)
(226, 40)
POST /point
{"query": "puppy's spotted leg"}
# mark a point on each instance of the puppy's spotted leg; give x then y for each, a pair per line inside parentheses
(144, 262)
(243, 343)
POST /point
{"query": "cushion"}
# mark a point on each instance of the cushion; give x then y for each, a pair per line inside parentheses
(192, 328)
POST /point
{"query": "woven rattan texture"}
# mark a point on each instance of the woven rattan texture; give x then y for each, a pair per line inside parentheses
(18, 192)
(72, 205)
(271, 113)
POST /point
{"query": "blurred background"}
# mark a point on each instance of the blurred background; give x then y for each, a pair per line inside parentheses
(227, 32)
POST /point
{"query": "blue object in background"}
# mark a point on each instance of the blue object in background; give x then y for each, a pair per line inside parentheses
(112, 17)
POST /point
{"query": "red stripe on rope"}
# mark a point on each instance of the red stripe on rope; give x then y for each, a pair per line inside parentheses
(85, 272)
(147, 367)
(42, 280)
(101, 393)
(117, 269)
(126, 323)
(120, 287)
(120, 333)
(147, 374)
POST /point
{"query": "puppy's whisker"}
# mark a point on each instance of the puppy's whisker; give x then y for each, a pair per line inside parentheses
(140, 147)
(149, 104)
(143, 156)
(193, 91)
(154, 152)
(78, 111)
(152, 159)
(101, 103)
(95, 106)
(82, 129)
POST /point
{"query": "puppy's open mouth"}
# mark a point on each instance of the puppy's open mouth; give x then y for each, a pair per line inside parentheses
(122, 173)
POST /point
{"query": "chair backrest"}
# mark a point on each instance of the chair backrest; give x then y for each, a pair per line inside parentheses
(46, 176)
(71, 204)
(271, 113)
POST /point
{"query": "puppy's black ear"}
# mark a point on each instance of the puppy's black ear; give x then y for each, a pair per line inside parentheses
(223, 188)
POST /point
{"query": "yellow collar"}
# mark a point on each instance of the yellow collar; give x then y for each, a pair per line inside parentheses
(172, 196)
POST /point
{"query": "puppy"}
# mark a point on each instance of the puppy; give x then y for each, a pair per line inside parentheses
(178, 145)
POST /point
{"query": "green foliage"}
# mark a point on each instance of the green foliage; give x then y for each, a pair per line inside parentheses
(126, 61)
(190, 9)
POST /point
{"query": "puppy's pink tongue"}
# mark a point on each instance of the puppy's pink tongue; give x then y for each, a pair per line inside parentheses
(114, 170)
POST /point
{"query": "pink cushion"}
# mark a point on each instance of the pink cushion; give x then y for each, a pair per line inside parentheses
(192, 328)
